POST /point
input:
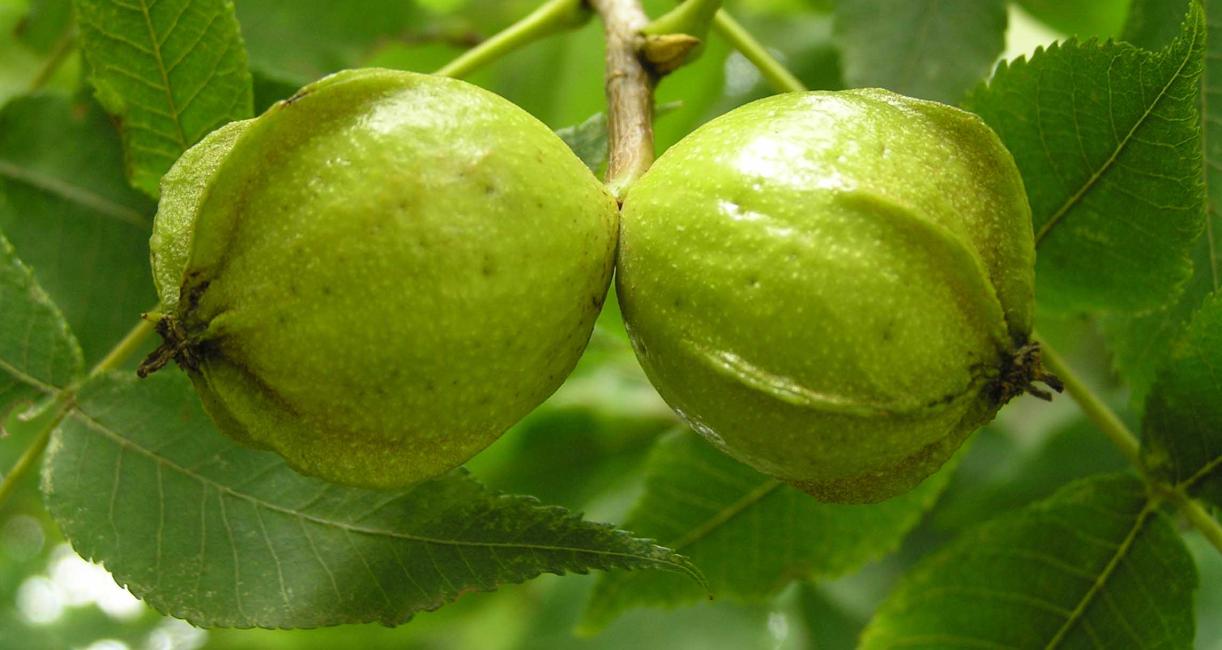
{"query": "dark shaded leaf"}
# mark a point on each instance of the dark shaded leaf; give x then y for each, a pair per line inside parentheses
(933, 49)
(750, 534)
(72, 217)
(1182, 431)
(1094, 566)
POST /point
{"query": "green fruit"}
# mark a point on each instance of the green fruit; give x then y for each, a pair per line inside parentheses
(379, 276)
(835, 288)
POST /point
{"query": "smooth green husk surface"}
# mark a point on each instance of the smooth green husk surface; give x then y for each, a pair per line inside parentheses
(829, 286)
(385, 272)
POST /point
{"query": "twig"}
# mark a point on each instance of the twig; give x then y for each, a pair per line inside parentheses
(63, 47)
(629, 87)
(1094, 408)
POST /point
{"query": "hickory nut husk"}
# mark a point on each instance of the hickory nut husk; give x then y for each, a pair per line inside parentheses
(380, 275)
(835, 288)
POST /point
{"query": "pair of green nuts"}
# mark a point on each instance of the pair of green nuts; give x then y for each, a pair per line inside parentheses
(380, 275)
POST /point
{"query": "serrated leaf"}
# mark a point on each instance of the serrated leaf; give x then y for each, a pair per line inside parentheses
(221, 535)
(750, 534)
(1093, 566)
(169, 71)
(72, 217)
(1182, 430)
(1083, 18)
(1140, 344)
(38, 354)
(1107, 137)
(933, 49)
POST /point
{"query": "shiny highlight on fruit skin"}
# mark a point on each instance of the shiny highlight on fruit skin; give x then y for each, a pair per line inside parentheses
(380, 275)
(833, 287)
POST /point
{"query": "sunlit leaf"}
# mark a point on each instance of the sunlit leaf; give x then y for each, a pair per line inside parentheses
(1107, 137)
(221, 535)
(171, 71)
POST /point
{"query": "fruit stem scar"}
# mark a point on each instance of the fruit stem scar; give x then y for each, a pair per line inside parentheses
(176, 346)
(1022, 372)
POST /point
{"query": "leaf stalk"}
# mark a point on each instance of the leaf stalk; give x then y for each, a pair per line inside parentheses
(629, 87)
(773, 71)
(549, 18)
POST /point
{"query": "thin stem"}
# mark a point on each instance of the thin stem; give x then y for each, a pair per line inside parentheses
(126, 347)
(629, 89)
(63, 47)
(549, 18)
(781, 79)
(1094, 408)
(29, 457)
(691, 17)
(1199, 518)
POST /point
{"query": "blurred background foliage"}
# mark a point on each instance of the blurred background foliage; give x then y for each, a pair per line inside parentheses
(584, 448)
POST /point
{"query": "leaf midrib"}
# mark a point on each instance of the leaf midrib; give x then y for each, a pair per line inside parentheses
(73, 194)
(155, 44)
(125, 443)
(1124, 142)
(1121, 552)
(724, 515)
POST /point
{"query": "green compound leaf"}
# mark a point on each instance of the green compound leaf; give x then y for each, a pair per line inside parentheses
(750, 534)
(933, 49)
(1182, 431)
(171, 71)
(1140, 344)
(1107, 138)
(38, 354)
(67, 209)
(221, 535)
(1093, 566)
